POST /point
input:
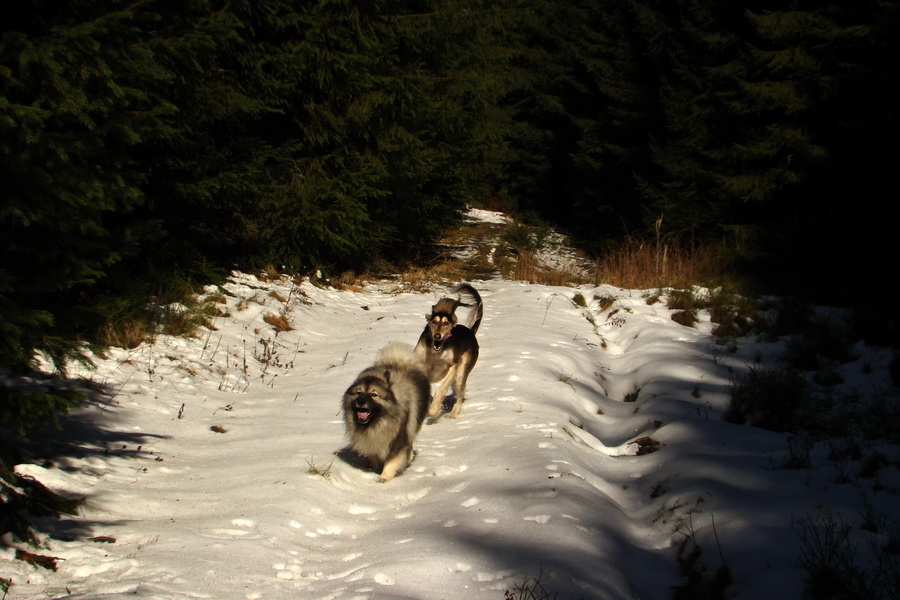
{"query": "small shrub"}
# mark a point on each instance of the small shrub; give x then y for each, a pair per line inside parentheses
(792, 315)
(484, 262)
(578, 300)
(659, 488)
(269, 273)
(827, 374)
(531, 588)
(874, 414)
(700, 584)
(605, 302)
(686, 305)
(682, 300)
(244, 303)
(177, 310)
(823, 338)
(522, 237)
(184, 320)
(128, 332)
(799, 450)
(829, 558)
(732, 315)
(767, 397)
(688, 318)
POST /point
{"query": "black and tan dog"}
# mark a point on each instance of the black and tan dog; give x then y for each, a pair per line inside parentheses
(450, 349)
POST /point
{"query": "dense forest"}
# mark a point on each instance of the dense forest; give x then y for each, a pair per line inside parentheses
(143, 140)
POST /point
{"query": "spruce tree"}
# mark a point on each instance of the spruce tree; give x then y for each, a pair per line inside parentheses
(546, 99)
(833, 74)
(584, 104)
(141, 138)
(69, 120)
(626, 62)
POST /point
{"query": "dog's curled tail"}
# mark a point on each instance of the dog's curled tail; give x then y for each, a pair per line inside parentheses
(475, 315)
(398, 355)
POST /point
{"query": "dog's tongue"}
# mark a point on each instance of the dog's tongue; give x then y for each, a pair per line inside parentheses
(363, 415)
(439, 340)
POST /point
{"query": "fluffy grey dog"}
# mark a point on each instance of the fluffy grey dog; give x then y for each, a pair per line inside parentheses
(385, 407)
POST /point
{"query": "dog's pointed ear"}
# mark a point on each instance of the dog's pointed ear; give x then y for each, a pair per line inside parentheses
(428, 316)
(387, 376)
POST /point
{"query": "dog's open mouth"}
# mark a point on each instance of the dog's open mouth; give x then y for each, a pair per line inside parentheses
(437, 341)
(363, 415)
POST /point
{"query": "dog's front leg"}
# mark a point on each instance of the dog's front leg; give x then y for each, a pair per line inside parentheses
(437, 403)
(462, 372)
(394, 463)
(454, 412)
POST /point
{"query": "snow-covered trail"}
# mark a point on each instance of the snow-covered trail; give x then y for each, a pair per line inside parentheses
(590, 449)
(539, 474)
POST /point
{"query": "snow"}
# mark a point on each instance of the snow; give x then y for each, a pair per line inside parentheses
(539, 476)
(478, 215)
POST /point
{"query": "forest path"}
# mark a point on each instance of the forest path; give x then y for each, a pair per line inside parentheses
(219, 474)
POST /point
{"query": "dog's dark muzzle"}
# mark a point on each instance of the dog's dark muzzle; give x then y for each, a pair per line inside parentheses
(362, 410)
(437, 341)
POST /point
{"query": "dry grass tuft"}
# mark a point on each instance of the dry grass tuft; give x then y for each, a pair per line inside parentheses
(269, 273)
(126, 333)
(605, 302)
(530, 589)
(186, 322)
(688, 318)
(683, 300)
(280, 322)
(412, 277)
(641, 262)
(350, 280)
(420, 278)
(133, 326)
(321, 470)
